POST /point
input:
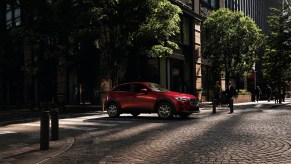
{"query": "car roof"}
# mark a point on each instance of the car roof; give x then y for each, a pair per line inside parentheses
(138, 82)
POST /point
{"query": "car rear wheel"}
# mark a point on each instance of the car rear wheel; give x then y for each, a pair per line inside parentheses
(165, 110)
(113, 110)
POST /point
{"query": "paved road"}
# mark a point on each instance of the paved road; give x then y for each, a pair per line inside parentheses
(251, 135)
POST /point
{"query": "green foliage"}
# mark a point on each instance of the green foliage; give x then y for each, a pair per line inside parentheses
(243, 92)
(231, 42)
(116, 27)
(154, 33)
(140, 27)
(277, 57)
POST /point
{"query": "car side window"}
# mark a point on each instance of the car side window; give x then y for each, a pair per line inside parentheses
(125, 88)
(138, 87)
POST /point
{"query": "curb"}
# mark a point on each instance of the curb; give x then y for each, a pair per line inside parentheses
(70, 142)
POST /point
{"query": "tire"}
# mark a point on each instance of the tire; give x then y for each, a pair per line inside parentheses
(113, 110)
(184, 115)
(165, 110)
(135, 114)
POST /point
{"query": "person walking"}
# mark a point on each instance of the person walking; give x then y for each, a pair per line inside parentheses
(269, 93)
(276, 94)
(230, 92)
(283, 93)
(258, 93)
(217, 92)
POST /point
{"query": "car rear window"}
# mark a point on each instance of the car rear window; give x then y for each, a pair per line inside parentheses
(157, 87)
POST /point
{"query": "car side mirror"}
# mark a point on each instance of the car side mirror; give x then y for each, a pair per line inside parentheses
(145, 91)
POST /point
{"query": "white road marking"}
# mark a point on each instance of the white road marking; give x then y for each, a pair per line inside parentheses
(7, 132)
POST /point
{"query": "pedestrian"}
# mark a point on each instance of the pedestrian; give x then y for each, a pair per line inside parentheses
(83, 93)
(76, 95)
(230, 92)
(258, 93)
(276, 94)
(283, 93)
(269, 92)
(217, 92)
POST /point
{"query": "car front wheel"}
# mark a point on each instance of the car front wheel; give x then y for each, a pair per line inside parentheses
(165, 110)
(113, 110)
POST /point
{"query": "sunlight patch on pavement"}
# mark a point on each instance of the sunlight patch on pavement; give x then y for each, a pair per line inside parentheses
(7, 132)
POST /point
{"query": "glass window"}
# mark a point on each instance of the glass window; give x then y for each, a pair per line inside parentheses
(17, 18)
(13, 15)
(138, 87)
(17, 12)
(214, 3)
(152, 70)
(125, 88)
(157, 87)
(8, 15)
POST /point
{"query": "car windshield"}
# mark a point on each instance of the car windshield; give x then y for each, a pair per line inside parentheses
(157, 87)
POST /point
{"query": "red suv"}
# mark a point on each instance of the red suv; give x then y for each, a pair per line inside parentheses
(146, 97)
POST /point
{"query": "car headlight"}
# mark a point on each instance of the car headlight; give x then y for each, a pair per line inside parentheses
(182, 99)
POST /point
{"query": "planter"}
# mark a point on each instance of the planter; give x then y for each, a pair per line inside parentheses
(242, 98)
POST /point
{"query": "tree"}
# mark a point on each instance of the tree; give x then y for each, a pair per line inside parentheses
(277, 57)
(54, 29)
(231, 42)
(139, 27)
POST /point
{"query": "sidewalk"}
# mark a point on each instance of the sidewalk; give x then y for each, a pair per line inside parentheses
(32, 154)
(27, 149)
(260, 104)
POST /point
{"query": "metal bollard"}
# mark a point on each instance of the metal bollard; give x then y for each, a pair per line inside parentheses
(44, 131)
(54, 125)
(213, 105)
(231, 105)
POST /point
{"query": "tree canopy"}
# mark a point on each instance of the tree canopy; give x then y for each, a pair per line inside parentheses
(231, 42)
(277, 57)
(139, 27)
(115, 27)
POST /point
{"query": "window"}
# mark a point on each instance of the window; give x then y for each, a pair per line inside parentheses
(17, 18)
(214, 3)
(138, 87)
(13, 15)
(125, 88)
(8, 16)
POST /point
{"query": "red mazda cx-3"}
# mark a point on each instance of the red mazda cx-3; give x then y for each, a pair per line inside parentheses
(146, 97)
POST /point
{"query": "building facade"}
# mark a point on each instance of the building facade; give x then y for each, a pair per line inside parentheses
(78, 72)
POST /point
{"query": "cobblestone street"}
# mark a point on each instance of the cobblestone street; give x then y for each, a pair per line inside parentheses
(251, 135)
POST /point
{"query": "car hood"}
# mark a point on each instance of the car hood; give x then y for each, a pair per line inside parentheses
(178, 94)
